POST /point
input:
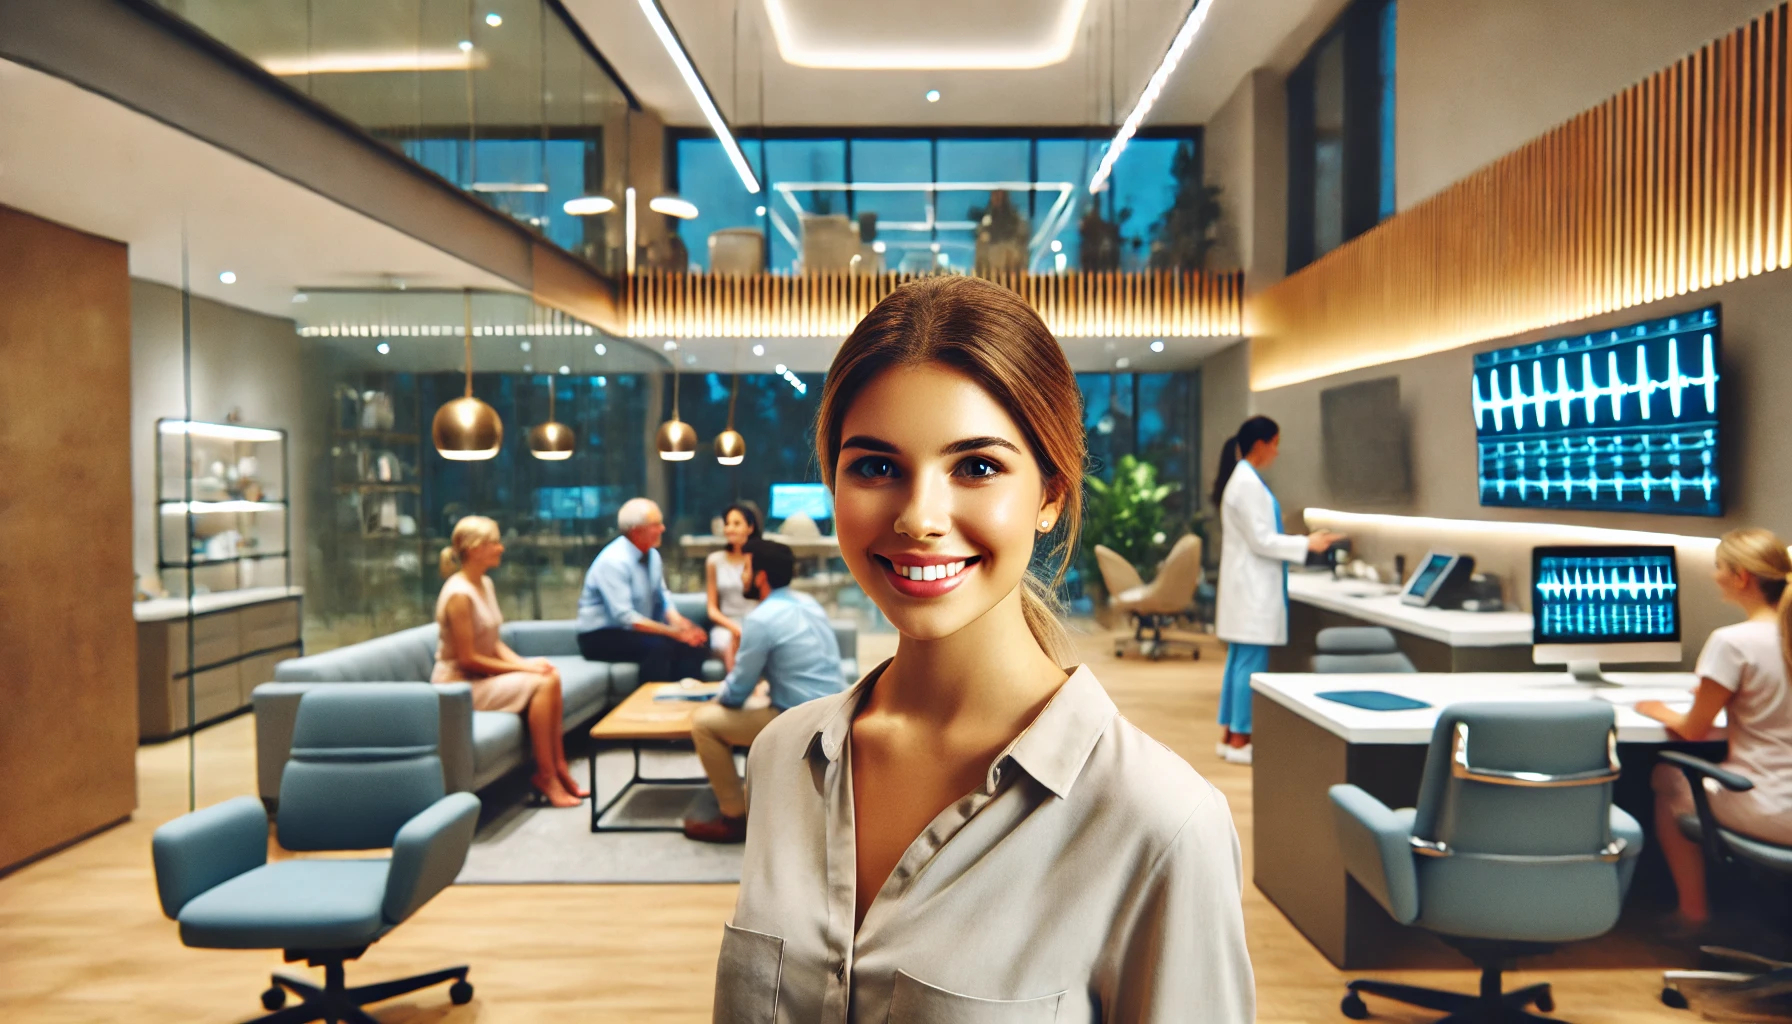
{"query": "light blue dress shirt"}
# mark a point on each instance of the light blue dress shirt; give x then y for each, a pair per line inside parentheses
(623, 586)
(788, 642)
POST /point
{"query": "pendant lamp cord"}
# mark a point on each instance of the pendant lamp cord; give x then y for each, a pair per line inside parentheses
(550, 398)
(466, 297)
(733, 390)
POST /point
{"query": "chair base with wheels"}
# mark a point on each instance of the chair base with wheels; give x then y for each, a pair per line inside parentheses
(1492, 1005)
(1153, 646)
(335, 1002)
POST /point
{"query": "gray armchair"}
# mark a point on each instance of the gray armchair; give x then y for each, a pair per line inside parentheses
(1514, 846)
(364, 775)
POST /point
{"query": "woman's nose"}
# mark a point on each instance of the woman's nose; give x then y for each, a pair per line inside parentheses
(928, 511)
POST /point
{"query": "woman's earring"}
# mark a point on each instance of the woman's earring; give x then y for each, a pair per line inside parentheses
(1045, 524)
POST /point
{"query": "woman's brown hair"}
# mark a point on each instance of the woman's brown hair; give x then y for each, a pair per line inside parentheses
(988, 334)
(1763, 556)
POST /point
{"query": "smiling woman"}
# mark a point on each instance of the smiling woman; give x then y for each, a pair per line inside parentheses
(1005, 846)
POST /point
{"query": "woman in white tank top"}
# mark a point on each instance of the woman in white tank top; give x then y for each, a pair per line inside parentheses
(727, 574)
(1743, 672)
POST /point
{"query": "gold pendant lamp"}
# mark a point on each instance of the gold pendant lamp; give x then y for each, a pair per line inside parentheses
(731, 448)
(677, 440)
(552, 440)
(466, 429)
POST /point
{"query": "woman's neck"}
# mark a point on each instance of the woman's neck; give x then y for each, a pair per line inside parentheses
(1756, 608)
(473, 573)
(991, 670)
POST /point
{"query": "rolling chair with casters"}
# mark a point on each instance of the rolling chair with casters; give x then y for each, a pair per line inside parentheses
(363, 775)
(1358, 649)
(1764, 993)
(1514, 847)
(1153, 606)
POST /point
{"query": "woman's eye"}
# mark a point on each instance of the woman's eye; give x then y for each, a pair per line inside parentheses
(872, 467)
(978, 468)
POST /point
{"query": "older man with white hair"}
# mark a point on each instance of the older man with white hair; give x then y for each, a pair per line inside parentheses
(626, 612)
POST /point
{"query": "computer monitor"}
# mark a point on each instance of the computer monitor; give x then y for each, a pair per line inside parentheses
(1605, 603)
(812, 500)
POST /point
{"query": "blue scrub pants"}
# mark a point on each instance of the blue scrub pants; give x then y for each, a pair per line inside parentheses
(1235, 690)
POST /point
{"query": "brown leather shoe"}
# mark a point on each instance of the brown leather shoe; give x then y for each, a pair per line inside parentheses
(722, 828)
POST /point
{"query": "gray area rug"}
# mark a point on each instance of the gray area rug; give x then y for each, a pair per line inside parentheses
(519, 844)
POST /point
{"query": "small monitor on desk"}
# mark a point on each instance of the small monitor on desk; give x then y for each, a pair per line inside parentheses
(1440, 576)
(1606, 603)
(812, 500)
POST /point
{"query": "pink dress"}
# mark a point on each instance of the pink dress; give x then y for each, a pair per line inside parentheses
(509, 691)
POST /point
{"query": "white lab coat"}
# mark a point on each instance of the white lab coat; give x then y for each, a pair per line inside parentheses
(1252, 605)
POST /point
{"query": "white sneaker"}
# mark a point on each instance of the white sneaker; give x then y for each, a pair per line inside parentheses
(1238, 755)
(1220, 748)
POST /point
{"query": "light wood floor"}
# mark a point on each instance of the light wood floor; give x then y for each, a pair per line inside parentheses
(82, 938)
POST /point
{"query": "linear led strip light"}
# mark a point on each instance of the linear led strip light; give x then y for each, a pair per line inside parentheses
(656, 16)
(1054, 48)
(1148, 98)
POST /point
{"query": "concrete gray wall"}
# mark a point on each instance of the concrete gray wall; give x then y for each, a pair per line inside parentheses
(241, 361)
(1476, 79)
(1244, 152)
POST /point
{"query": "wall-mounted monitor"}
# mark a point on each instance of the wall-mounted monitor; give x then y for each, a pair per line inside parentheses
(1622, 420)
(812, 500)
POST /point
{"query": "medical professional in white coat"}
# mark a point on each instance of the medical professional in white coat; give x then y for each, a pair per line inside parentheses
(1254, 557)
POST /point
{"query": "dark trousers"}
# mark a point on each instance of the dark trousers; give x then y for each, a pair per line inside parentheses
(661, 658)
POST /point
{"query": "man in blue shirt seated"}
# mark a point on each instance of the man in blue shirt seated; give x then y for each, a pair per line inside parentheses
(625, 611)
(787, 641)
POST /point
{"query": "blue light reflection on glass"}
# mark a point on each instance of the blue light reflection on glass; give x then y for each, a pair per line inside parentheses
(1613, 420)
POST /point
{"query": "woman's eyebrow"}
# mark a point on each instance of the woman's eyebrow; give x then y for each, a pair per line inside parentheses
(868, 443)
(971, 444)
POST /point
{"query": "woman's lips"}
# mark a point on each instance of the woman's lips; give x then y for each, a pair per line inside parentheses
(945, 582)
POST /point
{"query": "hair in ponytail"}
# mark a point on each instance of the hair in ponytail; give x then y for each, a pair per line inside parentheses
(469, 533)
(990, 335)
(1763, 556)
(1253, 432)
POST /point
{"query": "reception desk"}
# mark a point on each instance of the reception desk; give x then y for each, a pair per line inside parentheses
(1435, 639)
(1305, 744)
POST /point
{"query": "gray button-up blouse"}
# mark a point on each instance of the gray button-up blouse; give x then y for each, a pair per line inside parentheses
(1094, 876)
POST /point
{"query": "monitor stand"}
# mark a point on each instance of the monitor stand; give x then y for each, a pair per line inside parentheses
(1587, 673)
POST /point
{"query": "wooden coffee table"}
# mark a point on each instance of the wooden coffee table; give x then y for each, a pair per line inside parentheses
(641, 719)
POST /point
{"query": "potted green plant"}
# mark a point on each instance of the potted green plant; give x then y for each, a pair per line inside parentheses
(1125, 514)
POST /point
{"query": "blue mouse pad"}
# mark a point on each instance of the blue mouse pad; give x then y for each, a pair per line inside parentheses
(1373, 700)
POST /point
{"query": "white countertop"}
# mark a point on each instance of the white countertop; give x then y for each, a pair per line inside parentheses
(162, 609)
(1380, 604)
(1297, 692)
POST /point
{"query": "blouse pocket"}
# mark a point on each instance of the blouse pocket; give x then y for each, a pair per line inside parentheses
(913, 1001)
(747, 977)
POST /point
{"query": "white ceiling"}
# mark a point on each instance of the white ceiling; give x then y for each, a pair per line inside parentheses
(79, 159)
(1117, 45)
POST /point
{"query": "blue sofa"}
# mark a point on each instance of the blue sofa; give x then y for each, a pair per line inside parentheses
(477, 747)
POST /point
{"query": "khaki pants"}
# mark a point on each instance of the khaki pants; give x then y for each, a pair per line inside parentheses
(716, 731)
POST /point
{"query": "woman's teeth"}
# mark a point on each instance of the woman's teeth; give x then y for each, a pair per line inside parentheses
(924, 573)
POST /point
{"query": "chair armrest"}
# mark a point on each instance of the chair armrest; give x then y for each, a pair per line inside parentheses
(202, 850)
(428, 853)
(1377, 847)
(1697, 770)
(277, 708)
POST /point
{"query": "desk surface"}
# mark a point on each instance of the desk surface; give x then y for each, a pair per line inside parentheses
(1296, 692)
(1378, 603)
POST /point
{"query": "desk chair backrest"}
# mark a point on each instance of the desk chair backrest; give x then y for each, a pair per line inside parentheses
(801, 527)
(1174, 587)
(1117, 574)
(1358, 649)
(363, 763)
(1513, 824)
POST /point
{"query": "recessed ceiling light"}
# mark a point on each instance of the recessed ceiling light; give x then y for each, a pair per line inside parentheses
(228, 277)
(1157, 346)
(935, 247)
(758, 211)
(759, 350)
(525, 346)
(1122, 363)
(466, 45)
(528, 367)
(564, 370)
(878, 246)
(600, 349)
(603, 382)
(494, 19)
(933, 95)
(1057, 246)
(780, 369)
(382, 348)
(670, 345)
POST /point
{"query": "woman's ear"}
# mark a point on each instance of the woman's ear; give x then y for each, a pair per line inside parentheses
(1050, 512)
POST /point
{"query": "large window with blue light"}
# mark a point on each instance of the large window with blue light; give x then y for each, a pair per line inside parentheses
(923, 203)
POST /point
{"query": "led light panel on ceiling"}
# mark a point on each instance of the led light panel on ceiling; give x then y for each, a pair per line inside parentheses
(1623, 420)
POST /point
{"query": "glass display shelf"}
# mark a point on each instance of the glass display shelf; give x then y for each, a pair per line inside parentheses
(222, 500)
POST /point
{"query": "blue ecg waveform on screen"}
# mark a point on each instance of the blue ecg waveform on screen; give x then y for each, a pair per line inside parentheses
(1619, 596)
(1623, 419)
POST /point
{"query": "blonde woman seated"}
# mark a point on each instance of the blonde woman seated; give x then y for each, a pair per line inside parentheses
(467, 619)
(1743, 671)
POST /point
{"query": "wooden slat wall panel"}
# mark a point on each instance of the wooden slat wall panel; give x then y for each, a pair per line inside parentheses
(1679, 183)
(1148, 304)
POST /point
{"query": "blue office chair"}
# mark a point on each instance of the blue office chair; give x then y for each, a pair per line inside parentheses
(1514, 847)
(1358, 649)
(363, 775)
